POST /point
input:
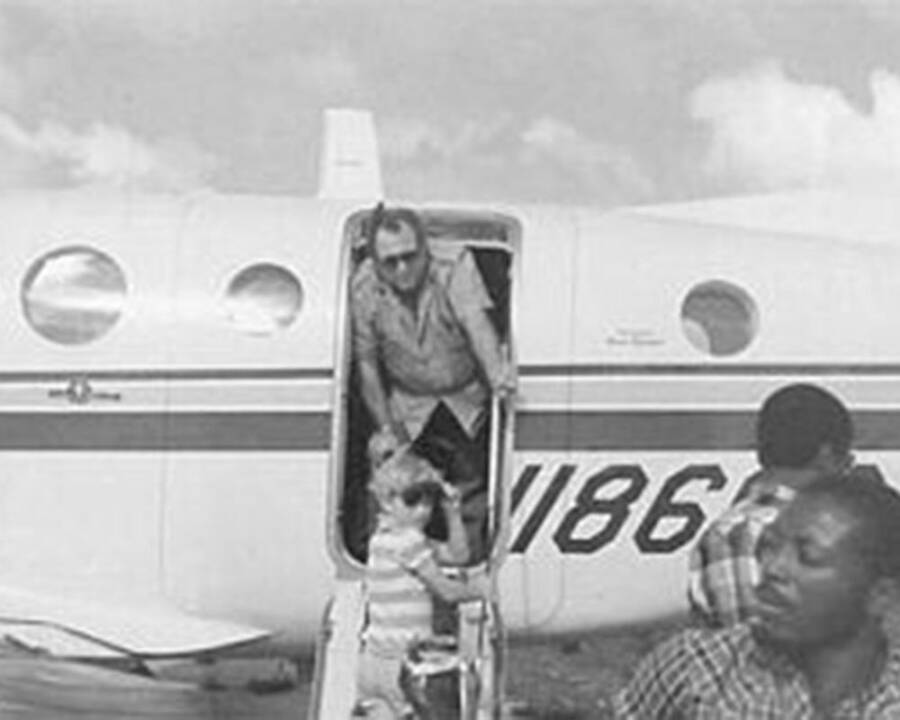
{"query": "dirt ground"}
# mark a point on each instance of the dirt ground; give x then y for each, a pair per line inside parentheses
(574, 678)
(563, 678)
(555, 679)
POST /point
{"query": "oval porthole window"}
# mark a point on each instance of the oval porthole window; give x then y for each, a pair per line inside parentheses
(263, 298)
(73, 295)
(719, 318)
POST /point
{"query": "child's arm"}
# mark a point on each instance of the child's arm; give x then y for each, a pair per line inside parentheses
(450, 589)
(456, 550)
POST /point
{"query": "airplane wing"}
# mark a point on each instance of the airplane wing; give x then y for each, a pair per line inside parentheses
(82, 629)
(860, 217)
(51, 689)
(349, 165)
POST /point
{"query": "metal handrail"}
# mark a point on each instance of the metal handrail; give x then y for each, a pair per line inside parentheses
(494, 478)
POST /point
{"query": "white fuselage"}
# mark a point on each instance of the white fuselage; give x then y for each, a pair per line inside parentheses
(208, 481)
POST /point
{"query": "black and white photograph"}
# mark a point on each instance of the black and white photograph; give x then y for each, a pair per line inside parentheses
(430, 360)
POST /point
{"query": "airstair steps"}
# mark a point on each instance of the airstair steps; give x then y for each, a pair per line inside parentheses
(337, 654)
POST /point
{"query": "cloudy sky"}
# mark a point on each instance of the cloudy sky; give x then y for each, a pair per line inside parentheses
(602, 101)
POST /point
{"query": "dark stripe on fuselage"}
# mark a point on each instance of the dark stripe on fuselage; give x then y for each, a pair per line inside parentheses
(716, 370)
(243, 431)
(298, 431)
(528, 371)
(674, 430)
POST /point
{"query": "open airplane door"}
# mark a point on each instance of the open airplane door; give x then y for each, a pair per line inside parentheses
(474, 653)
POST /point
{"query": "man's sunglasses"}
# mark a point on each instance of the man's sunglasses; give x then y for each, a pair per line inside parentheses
(392, 262)
(420, 492)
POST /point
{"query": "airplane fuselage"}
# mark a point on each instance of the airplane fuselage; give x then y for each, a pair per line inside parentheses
(173, 372)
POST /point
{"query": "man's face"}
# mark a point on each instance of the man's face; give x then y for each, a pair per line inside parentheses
(814, 582)
(402, 262)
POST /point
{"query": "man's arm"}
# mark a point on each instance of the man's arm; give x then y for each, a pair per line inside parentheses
(722, 578)
(365, 350)
(487, 350)
(376, 398)
(471, 301)
(749, 486)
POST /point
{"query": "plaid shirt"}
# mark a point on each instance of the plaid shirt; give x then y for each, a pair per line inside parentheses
(726, 674)
(723, 570)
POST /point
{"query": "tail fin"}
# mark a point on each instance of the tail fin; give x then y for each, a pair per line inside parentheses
(349, 166)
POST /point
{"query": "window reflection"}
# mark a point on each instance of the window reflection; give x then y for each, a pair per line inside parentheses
(73, 295)
(719, 318)
(263, 298)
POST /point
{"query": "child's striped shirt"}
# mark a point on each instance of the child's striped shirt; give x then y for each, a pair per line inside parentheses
(399, 604)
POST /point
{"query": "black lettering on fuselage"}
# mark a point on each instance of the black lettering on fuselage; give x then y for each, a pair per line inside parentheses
(591, 503)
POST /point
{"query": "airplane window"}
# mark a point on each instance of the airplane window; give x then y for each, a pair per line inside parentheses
(719, 318)
(73, 295)
(263, 298)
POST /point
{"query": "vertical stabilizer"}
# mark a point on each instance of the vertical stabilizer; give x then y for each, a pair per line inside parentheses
(349, 163)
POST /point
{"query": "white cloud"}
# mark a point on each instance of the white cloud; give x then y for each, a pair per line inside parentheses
(402, 139)
(769, 132)
(48, 153)
(543, 160)
(409, 138)
(879, 10)
(101, 155)
(599, 164)
(12, 85)
(166, 21)
(330, 71)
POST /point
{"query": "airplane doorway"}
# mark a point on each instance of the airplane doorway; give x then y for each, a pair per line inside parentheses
(493, 241)
(475, 630)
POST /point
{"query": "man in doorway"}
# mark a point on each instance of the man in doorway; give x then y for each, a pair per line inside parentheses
(426, 350)
(816, 646)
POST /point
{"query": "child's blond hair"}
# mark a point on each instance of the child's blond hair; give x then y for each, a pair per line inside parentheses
(401, 470)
